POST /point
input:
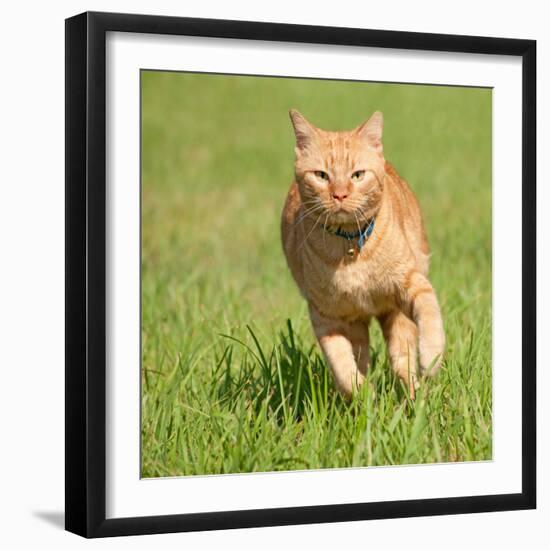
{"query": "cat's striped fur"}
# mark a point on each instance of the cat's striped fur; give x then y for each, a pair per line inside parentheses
(342, 180)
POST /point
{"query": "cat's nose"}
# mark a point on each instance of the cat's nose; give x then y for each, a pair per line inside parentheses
(339, 196)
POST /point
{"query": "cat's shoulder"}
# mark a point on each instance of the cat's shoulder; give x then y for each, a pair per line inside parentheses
(391, 171)
(394, 175)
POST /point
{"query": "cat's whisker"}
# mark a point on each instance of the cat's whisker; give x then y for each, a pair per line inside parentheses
(310, 232)
(314, 201)
(310, 209)
(308, 212)
(325, 229)
(362, 214)
(357, 221)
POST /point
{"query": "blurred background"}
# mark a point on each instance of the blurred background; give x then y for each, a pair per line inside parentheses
(217, 161)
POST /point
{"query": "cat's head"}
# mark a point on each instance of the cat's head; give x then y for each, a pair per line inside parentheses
(340, 174)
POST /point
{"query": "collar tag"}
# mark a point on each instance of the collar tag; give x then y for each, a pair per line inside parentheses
(361, 236)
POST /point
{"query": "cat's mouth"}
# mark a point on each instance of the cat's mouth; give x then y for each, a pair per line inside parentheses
(341, 207)
(348, 204)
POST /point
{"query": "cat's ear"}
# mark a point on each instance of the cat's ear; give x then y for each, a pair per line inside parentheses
(304, 130)
(371, 131)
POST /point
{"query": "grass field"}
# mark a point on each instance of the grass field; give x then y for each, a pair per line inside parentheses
(232, 379)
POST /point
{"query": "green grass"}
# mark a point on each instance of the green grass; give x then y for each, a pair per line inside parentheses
(232, 379)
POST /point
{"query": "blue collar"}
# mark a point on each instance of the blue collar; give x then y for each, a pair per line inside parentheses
(361, 235)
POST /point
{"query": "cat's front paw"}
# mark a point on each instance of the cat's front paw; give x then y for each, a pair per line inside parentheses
(431, 360)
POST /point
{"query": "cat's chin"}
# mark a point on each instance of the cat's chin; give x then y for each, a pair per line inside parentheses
(342, 218)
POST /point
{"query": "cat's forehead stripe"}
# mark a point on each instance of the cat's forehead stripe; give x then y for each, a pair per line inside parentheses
(339, 147)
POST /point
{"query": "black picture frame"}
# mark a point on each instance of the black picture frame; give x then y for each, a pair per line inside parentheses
(86, 274)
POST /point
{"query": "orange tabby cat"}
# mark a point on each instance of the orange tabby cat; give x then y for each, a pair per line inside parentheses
(355, 243)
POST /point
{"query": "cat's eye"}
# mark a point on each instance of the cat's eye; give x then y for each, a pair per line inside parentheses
(321, 175)
(357, 175)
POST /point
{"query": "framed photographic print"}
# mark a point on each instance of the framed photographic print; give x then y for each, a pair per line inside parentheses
(300, 274)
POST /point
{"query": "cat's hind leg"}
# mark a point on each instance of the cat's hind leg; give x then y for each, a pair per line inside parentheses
(400, 334)
(346, 348)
